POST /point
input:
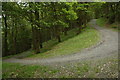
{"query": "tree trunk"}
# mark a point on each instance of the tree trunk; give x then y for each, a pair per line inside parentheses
(59, 39)
(5, 36)
(56, 27)
(14, 44)
(65, 31)
(40, 39)
(57, 33)
(41, 46)
(79, 28)
(39, 33)
(85, 24)
(15, 38)
(35, 40)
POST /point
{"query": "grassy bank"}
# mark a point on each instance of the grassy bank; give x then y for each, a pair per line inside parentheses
(105, 68)
(71, 45)
(104, 23)
(46, 45)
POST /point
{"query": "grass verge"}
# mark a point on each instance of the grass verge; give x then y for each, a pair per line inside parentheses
(104, 23)
(105, 68)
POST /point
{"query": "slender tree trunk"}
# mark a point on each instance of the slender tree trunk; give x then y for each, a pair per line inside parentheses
(40, 39)
(41, 45)
(39, 33)
(14, 44)
(33, 37)
(79, 28)
(59, 39)
(85, 24)
(14, 37)
(57, 33)
(35, 40)
(65, 31)
(5, 36)
(37, 46)
(56, 28)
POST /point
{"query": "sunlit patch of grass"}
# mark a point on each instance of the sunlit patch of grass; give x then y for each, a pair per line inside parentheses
(72, 45)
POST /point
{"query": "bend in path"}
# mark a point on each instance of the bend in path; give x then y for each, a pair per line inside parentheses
(108, 47)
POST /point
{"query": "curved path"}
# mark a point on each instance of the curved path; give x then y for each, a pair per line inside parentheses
(107, 47)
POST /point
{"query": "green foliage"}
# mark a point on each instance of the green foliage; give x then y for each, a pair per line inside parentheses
(60, 23)
(16, 30)
(107, 10)
(30, 24)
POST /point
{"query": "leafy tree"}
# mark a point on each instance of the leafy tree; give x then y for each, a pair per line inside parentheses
(30, 24)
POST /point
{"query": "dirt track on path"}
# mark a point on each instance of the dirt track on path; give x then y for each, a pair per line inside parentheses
(108, 46)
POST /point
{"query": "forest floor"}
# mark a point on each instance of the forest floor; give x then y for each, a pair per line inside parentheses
(104, 52)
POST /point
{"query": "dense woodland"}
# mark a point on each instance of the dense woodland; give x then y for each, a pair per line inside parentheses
(28, 25)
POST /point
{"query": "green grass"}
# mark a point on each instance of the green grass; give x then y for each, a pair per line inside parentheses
(115, 26)
(105, 68)
(14, 70)
(51, 43)
(104, 23)
(101, 22)
(46, 45)
(70, 45)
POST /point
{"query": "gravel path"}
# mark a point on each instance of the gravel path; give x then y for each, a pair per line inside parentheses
(108, 46)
